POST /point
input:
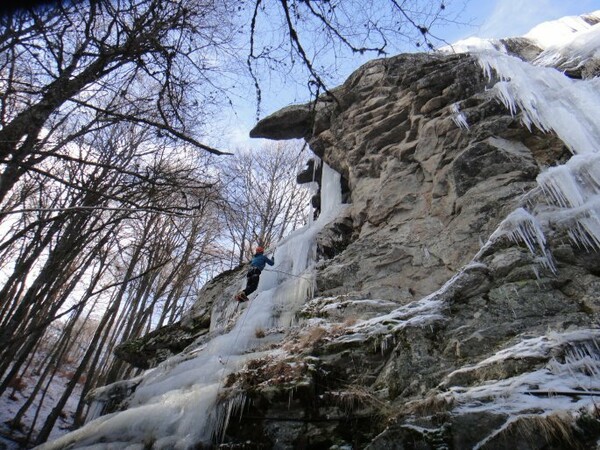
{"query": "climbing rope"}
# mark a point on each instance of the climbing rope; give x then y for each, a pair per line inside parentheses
(287, 273)
(243, 318)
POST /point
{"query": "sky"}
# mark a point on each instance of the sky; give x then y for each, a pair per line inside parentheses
(506, 18)
(481, 18)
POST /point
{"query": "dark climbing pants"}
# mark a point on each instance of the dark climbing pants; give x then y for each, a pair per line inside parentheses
(252, 279)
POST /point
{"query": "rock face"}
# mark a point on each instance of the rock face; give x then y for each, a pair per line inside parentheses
(426, 193)
(150, 350)
(423, 333)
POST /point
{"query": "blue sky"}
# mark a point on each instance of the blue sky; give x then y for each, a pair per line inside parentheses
(485, 19)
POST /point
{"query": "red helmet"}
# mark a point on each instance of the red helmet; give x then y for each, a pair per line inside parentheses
(259, 249)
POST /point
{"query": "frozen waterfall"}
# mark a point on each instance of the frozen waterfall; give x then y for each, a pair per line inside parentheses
(175, 405)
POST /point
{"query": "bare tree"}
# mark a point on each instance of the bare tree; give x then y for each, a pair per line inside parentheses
(70, 70)
(263, 200)
(87, 209)
(309, 40)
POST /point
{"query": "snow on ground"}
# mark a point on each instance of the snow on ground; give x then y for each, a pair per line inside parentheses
(13, 399)
(474, 44)
(582, 46)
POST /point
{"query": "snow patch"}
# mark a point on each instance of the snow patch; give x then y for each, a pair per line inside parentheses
(561, 32)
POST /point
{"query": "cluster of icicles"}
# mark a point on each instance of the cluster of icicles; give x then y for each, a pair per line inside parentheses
(549, 100)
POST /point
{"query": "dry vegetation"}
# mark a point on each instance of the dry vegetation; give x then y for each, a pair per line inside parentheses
(357, 397)
(270, 371)
(554, 428)
(432, 404)
(306, 339)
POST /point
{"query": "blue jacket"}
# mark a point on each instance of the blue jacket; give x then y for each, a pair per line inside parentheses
(259, 260)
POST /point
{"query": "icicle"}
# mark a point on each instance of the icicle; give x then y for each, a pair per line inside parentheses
(94, 410)
(316, 166)
(233, 406)
(573, 188)
(547, 98)
(561, 187)
(458, 117)
(582, 224)
(585, 233)
(521, 226)
(580, 360)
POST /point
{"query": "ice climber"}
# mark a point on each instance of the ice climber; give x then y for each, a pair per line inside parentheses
(252, 278)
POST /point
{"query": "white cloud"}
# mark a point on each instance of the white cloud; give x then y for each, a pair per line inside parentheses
(517, 17)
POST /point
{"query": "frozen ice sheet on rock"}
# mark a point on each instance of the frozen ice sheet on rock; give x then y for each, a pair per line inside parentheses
(573, 365)
(521, 226)
(551, 101)
(419, 313)
(548, 99)
(541, 346)
(344, 307)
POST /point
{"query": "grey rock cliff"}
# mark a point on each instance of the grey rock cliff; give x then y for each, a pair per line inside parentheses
(426, 193)
(418, 317)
